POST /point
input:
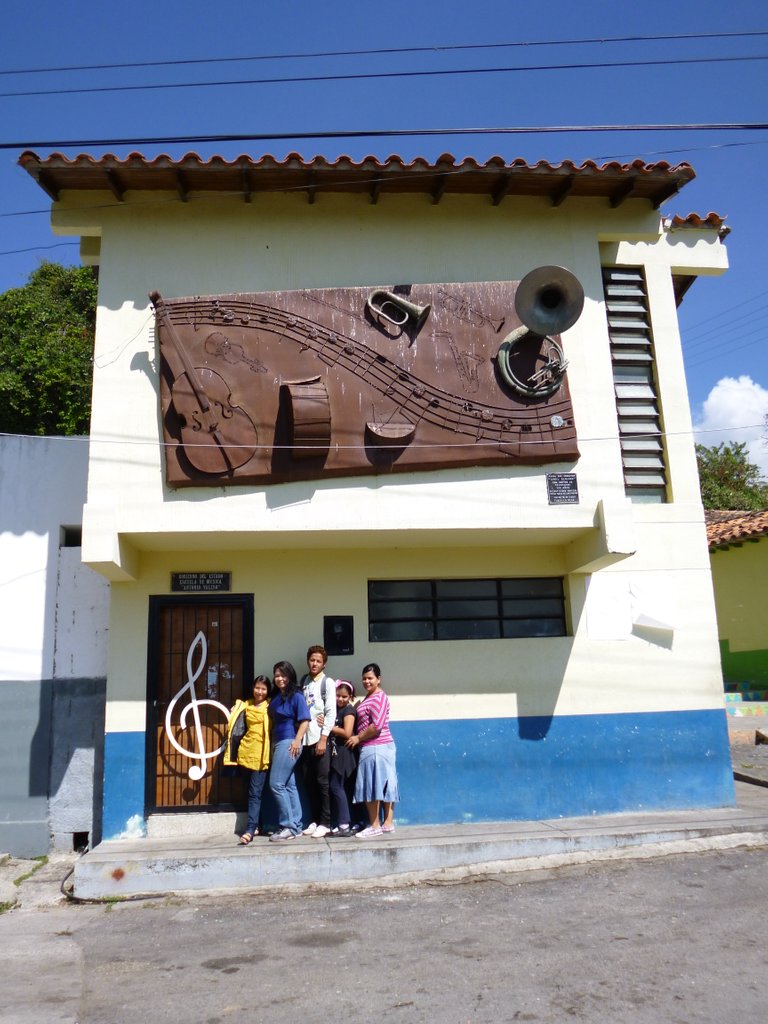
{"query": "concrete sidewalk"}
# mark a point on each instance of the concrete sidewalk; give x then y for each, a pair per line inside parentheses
(125, 868)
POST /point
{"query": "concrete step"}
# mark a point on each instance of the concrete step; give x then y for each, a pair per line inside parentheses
(185, 863)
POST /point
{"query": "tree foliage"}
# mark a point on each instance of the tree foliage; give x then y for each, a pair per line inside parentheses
(46, 352)
(729, 480)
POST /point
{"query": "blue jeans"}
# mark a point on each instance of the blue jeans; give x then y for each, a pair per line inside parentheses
(283, 785)
(255, 789)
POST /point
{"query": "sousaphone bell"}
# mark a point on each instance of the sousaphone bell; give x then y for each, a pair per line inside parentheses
(548, 301)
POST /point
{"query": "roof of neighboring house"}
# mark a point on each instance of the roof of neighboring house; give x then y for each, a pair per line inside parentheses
(728, 528)
(495, 178)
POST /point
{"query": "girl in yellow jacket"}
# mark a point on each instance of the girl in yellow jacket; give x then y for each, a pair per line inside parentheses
(251, 749)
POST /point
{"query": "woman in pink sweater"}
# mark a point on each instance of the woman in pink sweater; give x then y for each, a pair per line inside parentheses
(376, 783)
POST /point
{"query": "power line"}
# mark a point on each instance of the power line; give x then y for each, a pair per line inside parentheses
(154, 140)
(370, 75)
(725, 333)
(34, 248)
(682, 149)
(93, 439)
(707, 337)
(694, 363)
(388, 51)
(724, 312)
(723, 346)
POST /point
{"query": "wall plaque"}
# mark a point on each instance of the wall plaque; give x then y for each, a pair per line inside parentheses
(562, 489)
(276, 386)
(200, 582)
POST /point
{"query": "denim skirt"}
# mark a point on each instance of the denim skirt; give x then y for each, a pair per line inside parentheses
(377, 774)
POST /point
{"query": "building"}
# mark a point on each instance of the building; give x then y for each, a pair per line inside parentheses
(739, 571)
(54, 651)
(366, 406)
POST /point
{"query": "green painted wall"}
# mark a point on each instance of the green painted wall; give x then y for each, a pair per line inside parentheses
(744, 666)
(739, 575)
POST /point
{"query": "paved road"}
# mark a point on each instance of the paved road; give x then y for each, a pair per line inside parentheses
(678, 940)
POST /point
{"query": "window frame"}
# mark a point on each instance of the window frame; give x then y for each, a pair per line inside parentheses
(503, 621)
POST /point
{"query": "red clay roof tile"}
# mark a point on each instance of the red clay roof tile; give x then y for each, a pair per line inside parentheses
(725, 528)
(244, 174)
(695, 220)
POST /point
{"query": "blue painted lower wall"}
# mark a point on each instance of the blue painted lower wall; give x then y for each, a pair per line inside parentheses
(528, 768)
(565, 766)
(124, 754)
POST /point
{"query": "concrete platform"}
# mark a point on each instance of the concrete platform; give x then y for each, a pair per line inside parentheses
(186, 863)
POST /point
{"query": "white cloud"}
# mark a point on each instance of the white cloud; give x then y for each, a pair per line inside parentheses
(735, 403)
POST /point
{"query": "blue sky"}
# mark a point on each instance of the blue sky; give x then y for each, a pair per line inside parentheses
(724, 320)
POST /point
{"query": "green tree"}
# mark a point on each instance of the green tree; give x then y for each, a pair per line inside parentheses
(729, 480)
(46, 352)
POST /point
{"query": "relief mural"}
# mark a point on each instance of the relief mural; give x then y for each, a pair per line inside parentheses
(302, 384)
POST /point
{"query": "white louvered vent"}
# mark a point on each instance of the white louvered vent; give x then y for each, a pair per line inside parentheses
(637, 403)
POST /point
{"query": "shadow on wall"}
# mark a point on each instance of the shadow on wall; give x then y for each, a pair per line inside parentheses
(51, 720)
(77, 760)
(25, 711)
(536, 704)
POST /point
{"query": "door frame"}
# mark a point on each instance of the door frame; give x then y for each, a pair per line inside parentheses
(156, 604)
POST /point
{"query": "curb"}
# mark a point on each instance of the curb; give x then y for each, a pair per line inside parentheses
(472, 872)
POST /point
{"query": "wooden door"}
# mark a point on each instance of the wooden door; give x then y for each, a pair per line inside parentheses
(200, 663)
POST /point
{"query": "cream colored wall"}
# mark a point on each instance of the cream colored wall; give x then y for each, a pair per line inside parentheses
(644, 635)
(632, 669)
(739, 575)
(218, 244)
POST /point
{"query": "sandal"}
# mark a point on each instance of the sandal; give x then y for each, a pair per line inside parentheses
(245, 839)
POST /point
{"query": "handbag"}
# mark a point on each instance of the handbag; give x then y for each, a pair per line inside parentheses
(236, 734)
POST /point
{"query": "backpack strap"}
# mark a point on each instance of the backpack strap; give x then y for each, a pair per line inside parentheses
(323, 685)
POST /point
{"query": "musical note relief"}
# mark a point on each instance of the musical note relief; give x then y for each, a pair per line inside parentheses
(218, 344)
(463, 309)
(196, 771)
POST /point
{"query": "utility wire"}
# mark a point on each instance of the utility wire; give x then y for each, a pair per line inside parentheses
(725, 333)
(724, 312)
(35, 248)
(722, 341)
(702, 337)
(154, 140)
(724, 345)
(370, 75)
(388, 51)
(696, 362)
(94, 439)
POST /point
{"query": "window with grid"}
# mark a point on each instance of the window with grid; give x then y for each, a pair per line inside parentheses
(465, 609)
(637, 402)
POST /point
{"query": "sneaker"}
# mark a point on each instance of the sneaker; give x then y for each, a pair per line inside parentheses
(310, 830)
(320, 831)
(341, 830)
(369, 833)
(279, 837)
(387, 828)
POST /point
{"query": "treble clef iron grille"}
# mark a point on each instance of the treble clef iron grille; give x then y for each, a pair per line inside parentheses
(199, 676)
